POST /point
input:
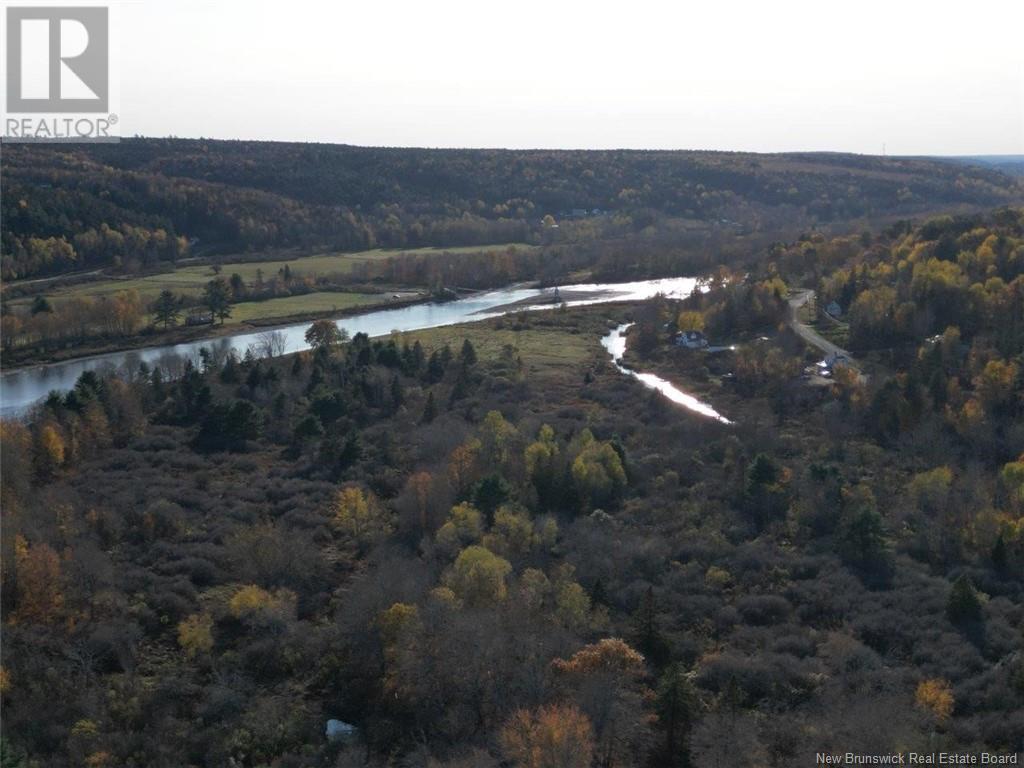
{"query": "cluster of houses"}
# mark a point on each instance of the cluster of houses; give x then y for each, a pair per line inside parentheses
(818, 374)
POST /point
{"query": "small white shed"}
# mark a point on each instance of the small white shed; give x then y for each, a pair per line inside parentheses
(338, 730)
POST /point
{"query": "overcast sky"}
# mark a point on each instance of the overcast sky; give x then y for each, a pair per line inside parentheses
(918, 77)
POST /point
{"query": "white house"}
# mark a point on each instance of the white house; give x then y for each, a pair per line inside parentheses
(691, 340)
(824, 367)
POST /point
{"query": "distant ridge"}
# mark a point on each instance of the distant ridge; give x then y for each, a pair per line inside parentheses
(1012, 165)
(73, 207)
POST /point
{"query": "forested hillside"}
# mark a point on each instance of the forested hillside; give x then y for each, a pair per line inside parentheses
(484, 546)
(1011, 165)
(150, 200)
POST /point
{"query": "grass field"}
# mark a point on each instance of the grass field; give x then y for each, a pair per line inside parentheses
(553, 349)
(837, 334)
(190, 280)
(289, 306)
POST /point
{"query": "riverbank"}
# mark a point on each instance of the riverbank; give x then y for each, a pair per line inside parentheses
(191, 334)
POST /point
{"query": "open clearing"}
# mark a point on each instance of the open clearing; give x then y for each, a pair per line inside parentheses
(190, 280)
(310, 303)
(546, 350)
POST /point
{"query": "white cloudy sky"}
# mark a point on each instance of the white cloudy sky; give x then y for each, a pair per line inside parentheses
(931, 77)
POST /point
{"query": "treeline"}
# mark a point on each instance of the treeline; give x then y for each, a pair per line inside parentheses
(73, 321)
(92, 247)
(43, 325)
(239, 196)
(911, 282)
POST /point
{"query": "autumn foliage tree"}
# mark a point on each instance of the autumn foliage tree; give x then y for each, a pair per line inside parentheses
(259, 607)
(195, 635)
(325, 335)
(360, 515)
(935, 696)
(478, 576)
(463, 527)
(39, 582)
(605, 678)
(555, 736)
(50, 451)
(463, 466)
(542, 464)
(597, 470)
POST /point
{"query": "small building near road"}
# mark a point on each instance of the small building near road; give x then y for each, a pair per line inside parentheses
(834, 309)
(825, 367)
(691, 340)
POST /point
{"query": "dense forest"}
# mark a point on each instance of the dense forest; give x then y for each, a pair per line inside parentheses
(150, 201)
(484, 546)
(1011, 165)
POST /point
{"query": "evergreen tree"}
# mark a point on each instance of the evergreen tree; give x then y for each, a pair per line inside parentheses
(237, 287)
(166, 309)
(649, 639)
(490, 493)
(964, 604)
(429, 410)
(397, 393)
(675, 704)
(217, 298)
(435, 369)
(40, 304)
(999, 559)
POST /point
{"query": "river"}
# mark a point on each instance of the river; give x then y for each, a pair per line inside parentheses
(20, 388)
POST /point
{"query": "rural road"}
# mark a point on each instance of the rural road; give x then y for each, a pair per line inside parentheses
(807, 333)
(51, 278)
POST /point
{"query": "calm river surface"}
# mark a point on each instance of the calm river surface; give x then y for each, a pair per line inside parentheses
(22, 387)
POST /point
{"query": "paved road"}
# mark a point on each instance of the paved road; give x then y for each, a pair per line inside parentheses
(805, 331)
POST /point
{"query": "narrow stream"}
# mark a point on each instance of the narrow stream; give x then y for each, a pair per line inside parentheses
(615, 343)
